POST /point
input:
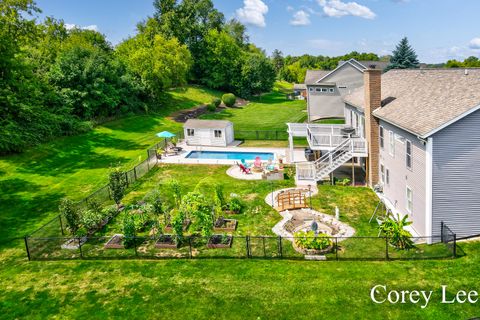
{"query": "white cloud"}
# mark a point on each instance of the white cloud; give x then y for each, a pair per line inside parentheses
(253, 13)
(474, 44)
(338, 8)
(300, 18)
(70, 26)
(290, 8)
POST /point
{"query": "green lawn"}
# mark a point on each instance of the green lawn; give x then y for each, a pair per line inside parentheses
(32, 183)
(268, 112)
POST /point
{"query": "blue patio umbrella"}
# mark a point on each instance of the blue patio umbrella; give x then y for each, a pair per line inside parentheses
(166, 135)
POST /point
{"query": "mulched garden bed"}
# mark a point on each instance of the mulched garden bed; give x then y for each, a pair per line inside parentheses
(166, 241)
(186, 223)
(220, 241)
(225, 225)
(115, 242)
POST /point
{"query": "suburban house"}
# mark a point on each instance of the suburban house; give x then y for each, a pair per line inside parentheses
(326, 89)
(417, 134)
(217, 133)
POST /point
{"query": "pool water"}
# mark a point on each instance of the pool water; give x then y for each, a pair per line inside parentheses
(229, 155)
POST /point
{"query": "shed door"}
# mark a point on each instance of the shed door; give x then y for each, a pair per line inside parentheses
(205, 137)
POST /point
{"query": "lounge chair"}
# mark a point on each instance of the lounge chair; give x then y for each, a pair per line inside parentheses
(270, 165)
(245, 164)
(243, 169)
(258, 163)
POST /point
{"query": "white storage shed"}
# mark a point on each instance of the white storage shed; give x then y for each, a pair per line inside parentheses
(218, 133)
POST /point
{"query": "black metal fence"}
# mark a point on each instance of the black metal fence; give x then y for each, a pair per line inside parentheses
(228, 246)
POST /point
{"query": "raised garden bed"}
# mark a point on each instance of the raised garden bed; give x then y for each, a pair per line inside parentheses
(115, 242)
(219, 241)
(226, 225)
(186, 223)
(166, 241)
(74, 243)
(312, 252)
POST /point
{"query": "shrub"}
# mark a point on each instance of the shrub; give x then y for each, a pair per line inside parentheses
(198, 207)
(235, 205)
(229, 99)
(128, 231)
(308, 240)
(211, 107)
(72, 218)
(395, 232)
(217, 102)
(344, 182)
(91, 219)
(177, 219)
(117, 185)
(176, 192)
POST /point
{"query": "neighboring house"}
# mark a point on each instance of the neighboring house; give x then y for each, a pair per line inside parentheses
(218, 133)
(326, 89)
(300, 91)
(422, 131)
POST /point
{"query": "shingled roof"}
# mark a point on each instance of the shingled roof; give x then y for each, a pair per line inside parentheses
(423, 100)
(313, 76)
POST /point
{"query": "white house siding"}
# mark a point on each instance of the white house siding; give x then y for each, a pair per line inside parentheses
(401, 176)
(331, 105)
(456, 176)
(355, 119)
(206, 137)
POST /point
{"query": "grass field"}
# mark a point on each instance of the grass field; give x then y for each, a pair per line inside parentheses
(32, 183)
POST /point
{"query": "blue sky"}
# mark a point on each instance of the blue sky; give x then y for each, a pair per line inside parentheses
(438, 29)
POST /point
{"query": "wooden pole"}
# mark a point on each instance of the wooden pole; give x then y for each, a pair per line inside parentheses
(353, 172)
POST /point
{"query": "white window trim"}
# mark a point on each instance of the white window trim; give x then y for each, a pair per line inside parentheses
(406, 199)
(191, 132)
(215, 133)
(391, 143)
(331, 90)
(381, 137)
(411, 154)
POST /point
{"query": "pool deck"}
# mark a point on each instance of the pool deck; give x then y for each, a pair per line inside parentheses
(181, 157)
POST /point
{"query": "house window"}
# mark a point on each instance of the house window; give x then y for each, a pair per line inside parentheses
(382, 138)
(392, 144)
(382, 173)
(387, 176)
(190, 132)
(332, 90)
(218, 133)
(311, 89)
(409, 200)
(408, 154)
(324, 89)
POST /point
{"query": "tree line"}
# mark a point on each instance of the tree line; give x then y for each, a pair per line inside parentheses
(56, 81)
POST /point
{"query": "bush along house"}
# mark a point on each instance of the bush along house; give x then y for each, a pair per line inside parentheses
(417, 135)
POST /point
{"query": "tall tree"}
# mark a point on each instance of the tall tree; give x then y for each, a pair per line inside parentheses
(278, 60)
(403, 57)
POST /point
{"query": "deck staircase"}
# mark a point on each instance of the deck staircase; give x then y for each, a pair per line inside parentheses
(330, 161)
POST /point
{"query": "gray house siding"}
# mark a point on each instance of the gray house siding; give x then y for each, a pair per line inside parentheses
(331, 105)
(355, 118)
(401, 176)
(456, 176)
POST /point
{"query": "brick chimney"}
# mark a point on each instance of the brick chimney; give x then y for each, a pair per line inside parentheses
(373, 100)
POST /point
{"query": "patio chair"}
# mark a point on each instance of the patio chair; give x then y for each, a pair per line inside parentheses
(258, 163)
(245, 164)
(270, 165)
(243, 169)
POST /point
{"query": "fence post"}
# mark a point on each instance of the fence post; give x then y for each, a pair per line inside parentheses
(135, 172)
(247, 244)
(336, 248)
(386, 248)
(190, 246)
(80, 247)
(441, 231)
(256, 132)
(126, 178)
(61, 225)
(280, 249)
(454, 245)
(26, 247)
(264, 250)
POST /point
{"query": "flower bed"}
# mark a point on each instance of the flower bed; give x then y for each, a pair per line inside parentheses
(310, 244)
(219, 241)
(166, 241)
(227, 225)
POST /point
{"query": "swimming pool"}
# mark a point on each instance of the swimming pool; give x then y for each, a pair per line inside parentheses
(229, 155)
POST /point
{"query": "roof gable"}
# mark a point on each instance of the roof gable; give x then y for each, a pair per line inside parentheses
(350, 63)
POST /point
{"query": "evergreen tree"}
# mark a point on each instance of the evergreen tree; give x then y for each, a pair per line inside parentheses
(404, 57)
